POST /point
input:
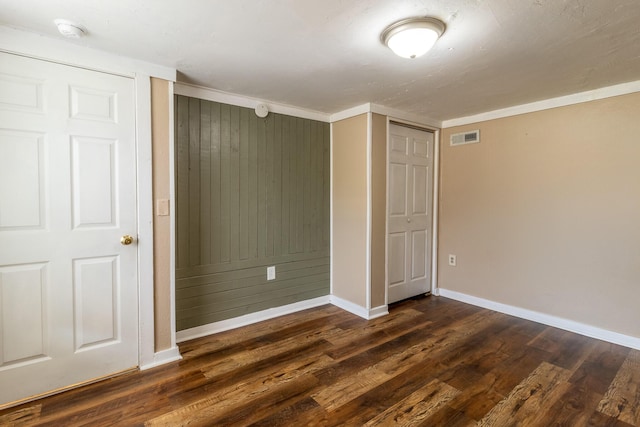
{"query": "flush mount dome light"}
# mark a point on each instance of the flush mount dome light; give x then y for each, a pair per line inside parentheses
(70, 29)
(412, 37)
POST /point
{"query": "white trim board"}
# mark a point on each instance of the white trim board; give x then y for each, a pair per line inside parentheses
(398, 115)
(562, 101)
(66, 52)
(215, 95)
(161, 357)
(331, 209)
(350, 112)
(360, 311)
(435, 220)
(546, 319)
(172, 213)
(251, 318)
(208, 94)
(367, 259)
(248, 319)
(386, 211)
(400, 121)
(409, 118)
(379, 311)
(146, 305)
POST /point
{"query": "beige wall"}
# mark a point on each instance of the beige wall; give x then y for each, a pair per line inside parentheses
(161, 224)
(349, 209)
(378, 209)
(544, 213)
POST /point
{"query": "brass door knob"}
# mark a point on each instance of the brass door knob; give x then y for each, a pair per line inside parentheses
(126, 240)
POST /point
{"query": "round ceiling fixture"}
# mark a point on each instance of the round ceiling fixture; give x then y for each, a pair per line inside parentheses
(70, 29)
(262, 110)
(412, 37)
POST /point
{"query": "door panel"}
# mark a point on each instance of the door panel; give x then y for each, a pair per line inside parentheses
(93, 177)
(22, 290)
(420, 190)
(419, 254)
(398, 181)
(68, 288)
(421, 148)
(409, 212)
(96, 287)
(21, 94)
(22, 158)
(93, 104)
(397, 255)
(399, 144)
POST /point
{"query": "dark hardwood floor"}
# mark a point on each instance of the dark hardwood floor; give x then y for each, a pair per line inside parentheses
(430, 362)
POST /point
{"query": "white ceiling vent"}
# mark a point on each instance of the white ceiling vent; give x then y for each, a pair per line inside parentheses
(470, 137)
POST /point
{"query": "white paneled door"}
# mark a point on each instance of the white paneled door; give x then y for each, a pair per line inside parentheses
(68, 287)
(409, 212)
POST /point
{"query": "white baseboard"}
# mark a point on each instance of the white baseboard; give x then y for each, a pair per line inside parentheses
(359, 310)
(349, 306)
(248, 319)
(375, 312)
(546, 319)
(162, 357)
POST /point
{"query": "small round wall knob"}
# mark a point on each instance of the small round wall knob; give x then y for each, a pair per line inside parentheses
(126, 240)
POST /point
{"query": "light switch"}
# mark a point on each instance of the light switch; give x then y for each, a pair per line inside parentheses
(162, 207)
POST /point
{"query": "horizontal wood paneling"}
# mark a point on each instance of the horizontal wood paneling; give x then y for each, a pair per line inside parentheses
(188, 284)
(251, 193)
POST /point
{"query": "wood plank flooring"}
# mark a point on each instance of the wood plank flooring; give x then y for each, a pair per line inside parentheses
(430, 362)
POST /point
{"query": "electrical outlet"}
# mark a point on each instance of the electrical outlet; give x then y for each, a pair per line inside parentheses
(271, 272)
(453, 260)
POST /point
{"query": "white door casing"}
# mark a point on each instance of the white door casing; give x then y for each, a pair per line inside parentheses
(68, 288)
(410, 198)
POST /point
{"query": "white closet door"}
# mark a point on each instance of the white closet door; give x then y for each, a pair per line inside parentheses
(68, 287)
(409, 212)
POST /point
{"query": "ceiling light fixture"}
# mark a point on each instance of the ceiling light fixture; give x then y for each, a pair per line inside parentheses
(412, 37)
(70, 29)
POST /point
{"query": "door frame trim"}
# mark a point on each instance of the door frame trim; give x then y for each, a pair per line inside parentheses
(146, 320)
(369, 148)
(50, 49)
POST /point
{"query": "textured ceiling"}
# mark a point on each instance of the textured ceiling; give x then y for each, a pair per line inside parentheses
(327, 55)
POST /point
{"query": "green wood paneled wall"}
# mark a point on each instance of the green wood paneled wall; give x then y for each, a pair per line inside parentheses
(250, 193)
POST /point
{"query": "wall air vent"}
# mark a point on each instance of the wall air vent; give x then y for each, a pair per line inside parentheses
(463, 138)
